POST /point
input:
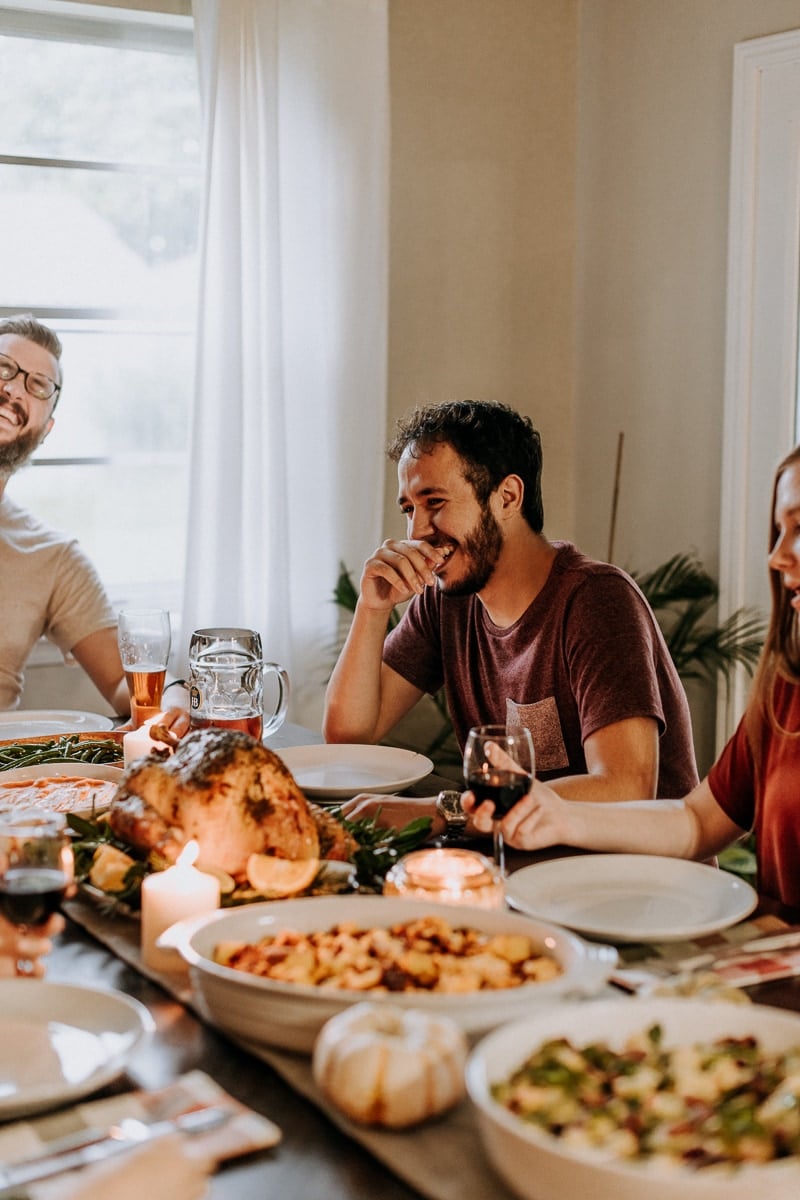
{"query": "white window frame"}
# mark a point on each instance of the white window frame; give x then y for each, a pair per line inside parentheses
(761, 398)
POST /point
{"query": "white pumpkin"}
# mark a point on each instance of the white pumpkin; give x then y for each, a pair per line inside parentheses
(385, 1065)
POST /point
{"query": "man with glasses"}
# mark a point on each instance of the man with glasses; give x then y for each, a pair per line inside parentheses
(47, 585)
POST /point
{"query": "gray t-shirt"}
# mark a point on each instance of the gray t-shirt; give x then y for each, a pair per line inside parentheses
(48, 588)
(587, 652)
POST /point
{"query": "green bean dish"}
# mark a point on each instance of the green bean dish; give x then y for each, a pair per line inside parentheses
(66, 748)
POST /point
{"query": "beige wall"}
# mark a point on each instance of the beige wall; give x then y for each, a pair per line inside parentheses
(656, 79)
(483, 96)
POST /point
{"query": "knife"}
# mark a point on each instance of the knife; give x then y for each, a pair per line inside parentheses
(124, 1135)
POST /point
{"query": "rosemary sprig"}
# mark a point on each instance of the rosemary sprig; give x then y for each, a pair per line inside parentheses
(379, 848)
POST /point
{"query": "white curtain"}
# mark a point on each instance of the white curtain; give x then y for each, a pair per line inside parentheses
(290, 408)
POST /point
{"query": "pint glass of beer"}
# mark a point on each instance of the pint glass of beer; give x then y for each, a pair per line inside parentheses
(144, 642)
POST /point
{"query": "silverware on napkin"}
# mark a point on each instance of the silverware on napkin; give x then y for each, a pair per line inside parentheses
(122, 1136)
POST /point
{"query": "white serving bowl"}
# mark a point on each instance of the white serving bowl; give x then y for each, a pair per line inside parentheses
(537, 1166)
(289, 1016)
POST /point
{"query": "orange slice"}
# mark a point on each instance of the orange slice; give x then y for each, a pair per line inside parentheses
(275, 878)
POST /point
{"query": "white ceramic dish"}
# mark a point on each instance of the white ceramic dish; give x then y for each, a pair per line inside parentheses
(89, 801)
(19, 724)
(60, 1042)
(290, 1016)
(339, 771)
(537, 1166)
(631, 897)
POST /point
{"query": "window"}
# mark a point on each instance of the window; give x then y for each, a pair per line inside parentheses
(99, 198)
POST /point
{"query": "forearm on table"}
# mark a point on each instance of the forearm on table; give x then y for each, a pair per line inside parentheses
(626, 828)
(694, 828)
(353, 696)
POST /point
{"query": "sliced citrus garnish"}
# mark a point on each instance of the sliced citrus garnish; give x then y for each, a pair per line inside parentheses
(226, 882)
(278, 877)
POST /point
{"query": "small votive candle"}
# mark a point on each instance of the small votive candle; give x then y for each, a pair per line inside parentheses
(447, 876)
(169, 896)
(138, 743)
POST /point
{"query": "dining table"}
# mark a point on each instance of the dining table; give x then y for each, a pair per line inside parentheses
(321, 1154)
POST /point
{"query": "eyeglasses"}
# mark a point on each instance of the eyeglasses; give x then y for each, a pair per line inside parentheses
(38, 386)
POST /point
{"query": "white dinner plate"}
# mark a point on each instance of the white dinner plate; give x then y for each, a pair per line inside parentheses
(631, 897)
(60, 1042)
(338, 771)
(20, 723)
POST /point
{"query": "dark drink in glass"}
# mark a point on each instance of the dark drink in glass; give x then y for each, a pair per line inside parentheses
(498, 765)
(30, 895)
(503, 788)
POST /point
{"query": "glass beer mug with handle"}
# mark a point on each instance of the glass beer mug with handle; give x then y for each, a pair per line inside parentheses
(226, 682)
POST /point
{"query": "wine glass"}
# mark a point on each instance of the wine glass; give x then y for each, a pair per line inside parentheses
(36, 868)
(144, 639)
(498, 766)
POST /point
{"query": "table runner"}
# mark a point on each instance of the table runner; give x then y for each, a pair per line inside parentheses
(442, 1160)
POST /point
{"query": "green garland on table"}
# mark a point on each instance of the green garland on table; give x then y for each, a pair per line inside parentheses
(377, 850)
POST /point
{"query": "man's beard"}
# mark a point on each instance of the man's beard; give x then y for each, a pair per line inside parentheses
(14, 454)
(481, 548)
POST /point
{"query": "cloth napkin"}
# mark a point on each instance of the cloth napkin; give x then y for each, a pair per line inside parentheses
(164, 1170)
(184, 1160)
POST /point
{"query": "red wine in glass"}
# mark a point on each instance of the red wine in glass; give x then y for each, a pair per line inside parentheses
(503, 788)
(36, 869)
(30, 895)
(498, 766)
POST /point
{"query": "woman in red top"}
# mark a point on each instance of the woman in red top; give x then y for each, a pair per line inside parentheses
(755, 783)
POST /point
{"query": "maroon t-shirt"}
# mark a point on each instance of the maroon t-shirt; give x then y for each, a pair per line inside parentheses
(767, 802)
(587, 653)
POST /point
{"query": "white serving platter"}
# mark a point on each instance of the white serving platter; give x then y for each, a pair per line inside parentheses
(631, 897)
(88, 799)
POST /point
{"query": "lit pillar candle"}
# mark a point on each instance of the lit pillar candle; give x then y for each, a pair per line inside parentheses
(447, 876)
(138, 743)
(169, 896)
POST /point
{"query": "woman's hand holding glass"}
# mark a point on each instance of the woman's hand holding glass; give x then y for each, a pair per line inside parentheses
(498, 767)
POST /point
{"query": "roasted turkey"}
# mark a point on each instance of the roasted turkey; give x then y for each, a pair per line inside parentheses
(230, 794)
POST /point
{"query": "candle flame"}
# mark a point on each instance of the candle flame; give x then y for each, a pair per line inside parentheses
(188, 855)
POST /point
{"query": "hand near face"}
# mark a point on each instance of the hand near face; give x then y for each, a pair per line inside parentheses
(397, 571)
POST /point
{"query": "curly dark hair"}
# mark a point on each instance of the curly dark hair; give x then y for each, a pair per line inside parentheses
(491, 439)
